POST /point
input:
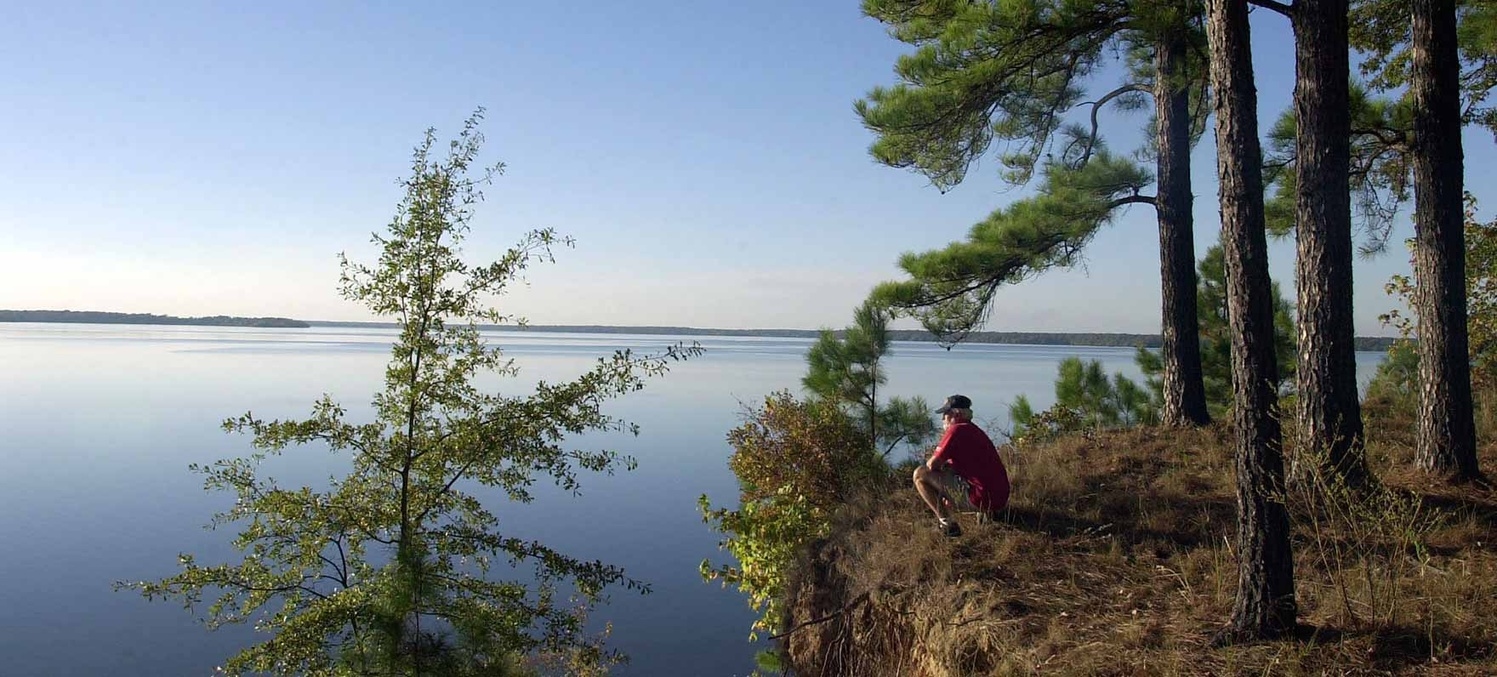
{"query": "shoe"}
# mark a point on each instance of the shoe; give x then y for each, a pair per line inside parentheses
(950, 528)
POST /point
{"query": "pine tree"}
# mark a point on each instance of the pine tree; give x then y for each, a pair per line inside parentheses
(1329, 411)
(1447, 430)
(1011, 70)
(1443, 57)
(1265, 605)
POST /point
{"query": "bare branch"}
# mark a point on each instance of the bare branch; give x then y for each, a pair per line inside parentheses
(1097, 105)
(858, 601)
(1281, 8)
(1132, 200)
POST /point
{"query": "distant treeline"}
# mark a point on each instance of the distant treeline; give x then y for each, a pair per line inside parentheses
(94, 317)
(1032, 338)
(1003, 337)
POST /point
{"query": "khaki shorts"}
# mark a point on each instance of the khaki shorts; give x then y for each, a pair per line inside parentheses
(956, 488)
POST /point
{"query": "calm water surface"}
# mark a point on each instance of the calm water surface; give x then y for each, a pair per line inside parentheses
(98, 424)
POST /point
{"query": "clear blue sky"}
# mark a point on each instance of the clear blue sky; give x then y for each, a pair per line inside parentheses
(213, 158)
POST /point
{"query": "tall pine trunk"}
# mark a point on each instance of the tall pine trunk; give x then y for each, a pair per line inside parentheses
(1265, 605)
(1184, 389)
(1447, 434)
(1330, 416)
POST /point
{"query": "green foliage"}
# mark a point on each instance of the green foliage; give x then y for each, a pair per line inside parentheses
(848, 371)
(1380, 31)
(1380, 173)
(1020, 411)
(391, 568)
(1216, 337)
(950, 290)
(1481, 300)
(1481, 308)
(1102, 402)
(1028, 427)
(1085, 399)
(770, 661)
(797, 462)
(907, 421)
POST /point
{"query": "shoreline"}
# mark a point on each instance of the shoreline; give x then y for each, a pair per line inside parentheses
(1042, 338)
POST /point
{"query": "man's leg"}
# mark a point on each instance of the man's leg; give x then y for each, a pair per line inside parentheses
(932, 490)
(931, 487)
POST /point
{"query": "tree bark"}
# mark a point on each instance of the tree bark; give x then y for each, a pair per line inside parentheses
(1265, 605)
(1330, 415)
(1447, 434)
(1184, 390)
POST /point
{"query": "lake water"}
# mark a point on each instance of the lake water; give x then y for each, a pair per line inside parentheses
(98, 424)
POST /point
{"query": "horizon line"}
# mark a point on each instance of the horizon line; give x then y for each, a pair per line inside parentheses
(657, 327)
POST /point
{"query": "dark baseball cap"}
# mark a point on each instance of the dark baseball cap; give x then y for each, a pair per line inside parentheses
(955, 402)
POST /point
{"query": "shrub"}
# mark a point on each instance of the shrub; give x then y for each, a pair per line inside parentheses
(797, 463)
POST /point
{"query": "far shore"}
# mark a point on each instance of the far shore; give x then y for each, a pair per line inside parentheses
(1096, 339)
(98, 317)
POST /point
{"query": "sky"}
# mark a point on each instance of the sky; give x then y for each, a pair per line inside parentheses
(215, 158)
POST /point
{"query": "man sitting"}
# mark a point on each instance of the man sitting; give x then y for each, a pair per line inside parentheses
(966, 452)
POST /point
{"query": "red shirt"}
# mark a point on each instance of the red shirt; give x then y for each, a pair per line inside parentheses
(972, 456)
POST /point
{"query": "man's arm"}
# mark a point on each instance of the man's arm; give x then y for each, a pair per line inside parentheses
(937, 461)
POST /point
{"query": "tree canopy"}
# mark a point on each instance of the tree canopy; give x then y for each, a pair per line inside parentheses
(1015, 72)
(983, 71)
(1381, 31)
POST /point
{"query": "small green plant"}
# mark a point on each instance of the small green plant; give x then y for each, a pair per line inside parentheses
(1397, 376)
(1369, 541)
(1085, 399)
(769, 661)
(848, 371)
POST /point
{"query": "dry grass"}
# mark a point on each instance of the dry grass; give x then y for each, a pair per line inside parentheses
(1115, 558)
